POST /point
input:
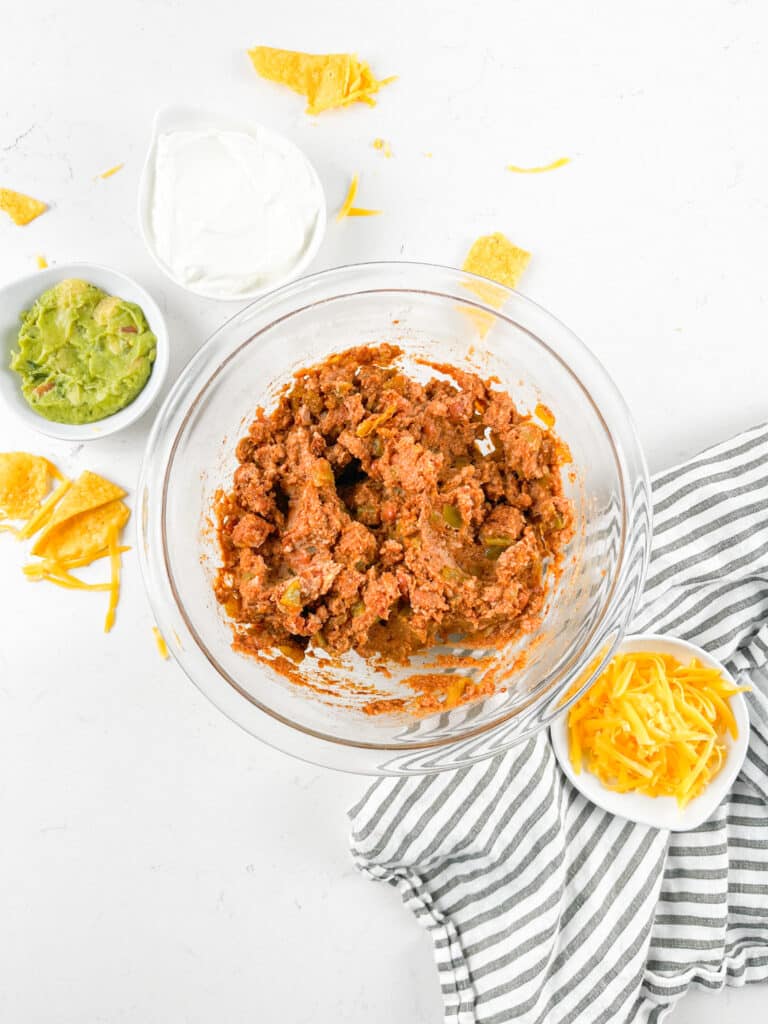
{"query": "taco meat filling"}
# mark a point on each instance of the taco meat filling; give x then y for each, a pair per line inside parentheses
(374, 513)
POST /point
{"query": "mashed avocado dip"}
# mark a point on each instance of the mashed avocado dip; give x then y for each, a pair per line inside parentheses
(82, 354)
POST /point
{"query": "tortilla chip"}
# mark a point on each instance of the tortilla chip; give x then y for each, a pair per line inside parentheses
(495, 257)
(89, 492)
(85, 535)
(326, 79)
(22, 209)
(24, 482)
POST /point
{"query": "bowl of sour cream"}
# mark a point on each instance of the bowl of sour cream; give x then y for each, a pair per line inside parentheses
(228, 209)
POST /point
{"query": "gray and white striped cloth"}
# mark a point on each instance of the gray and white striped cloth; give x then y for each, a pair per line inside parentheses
(543, 908)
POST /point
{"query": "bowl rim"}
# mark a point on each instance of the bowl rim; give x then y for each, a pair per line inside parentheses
(643, 809)
(571, 663)
(164, 119)
(130, 413)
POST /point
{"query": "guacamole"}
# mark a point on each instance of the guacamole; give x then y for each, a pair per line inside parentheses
(82, 354)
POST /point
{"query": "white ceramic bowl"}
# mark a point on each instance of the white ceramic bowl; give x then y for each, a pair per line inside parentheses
(18, 296)
(179, 118)
(662, 812)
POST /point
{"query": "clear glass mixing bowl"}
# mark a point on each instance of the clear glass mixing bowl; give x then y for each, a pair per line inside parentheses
(440, 314)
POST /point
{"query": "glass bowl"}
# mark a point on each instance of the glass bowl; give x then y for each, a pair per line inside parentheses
(443, 315)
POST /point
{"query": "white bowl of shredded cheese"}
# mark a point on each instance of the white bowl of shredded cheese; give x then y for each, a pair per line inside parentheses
(228, 210)
(663, 812)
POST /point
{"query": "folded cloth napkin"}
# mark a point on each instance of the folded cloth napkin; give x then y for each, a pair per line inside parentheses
(544, 909)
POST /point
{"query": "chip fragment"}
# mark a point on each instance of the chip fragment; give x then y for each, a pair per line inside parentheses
(497, 259)
(327, 80)
(21, 209)
(82, 521)
(24, 481)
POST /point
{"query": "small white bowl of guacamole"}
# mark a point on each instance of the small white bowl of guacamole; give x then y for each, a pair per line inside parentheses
(83, 349)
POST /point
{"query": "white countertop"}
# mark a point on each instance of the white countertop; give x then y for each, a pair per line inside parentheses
(157, 864)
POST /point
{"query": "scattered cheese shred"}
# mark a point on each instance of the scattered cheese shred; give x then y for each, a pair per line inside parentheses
(111, 171)
(162, 646)
(653, 725)
(360, 211)
(545, 414)
(540, 170)
(327, 80)
(21, 209)
(42, 262)
(383, 146)
(346, 206)
(44, 513)
(114, 583)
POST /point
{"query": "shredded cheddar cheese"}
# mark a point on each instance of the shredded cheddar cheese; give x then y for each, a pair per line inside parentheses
(653, 725)
(162, 646)
(114, 583)
(360, 211)
(540, 170)
(111, 171)
(383, 146)
(346, 206)
(545, 414)
(42, 262)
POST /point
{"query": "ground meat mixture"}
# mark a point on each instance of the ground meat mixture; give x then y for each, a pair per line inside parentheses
(375, 513)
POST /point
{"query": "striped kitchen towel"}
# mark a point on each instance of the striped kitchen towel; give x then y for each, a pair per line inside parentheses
(543, 908)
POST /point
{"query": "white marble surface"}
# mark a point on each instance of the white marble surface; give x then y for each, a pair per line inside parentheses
(157, 865)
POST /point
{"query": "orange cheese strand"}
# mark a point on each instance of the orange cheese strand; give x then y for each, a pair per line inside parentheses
(540, 170)
(346, 206)
(359, 211)
(114, 583)
(44, 513)
(653, 725)
(162, 646)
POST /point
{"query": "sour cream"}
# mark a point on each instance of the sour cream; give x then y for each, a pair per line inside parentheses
(233, 213)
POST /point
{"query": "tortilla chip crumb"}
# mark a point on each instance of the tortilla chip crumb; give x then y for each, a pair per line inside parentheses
(429, 155)
(327, 80)
(111, 171)
(383, 146)
(495, 257)
(540, 170)
(42, 262)
(162, 646)
(21, 209)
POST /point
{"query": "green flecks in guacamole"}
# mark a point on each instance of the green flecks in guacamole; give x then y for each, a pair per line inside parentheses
(82, 354)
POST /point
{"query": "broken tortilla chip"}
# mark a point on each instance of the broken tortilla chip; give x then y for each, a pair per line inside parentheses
(496, 258)
(82, 536)
(21, 209)
(88, 493)
(24, 482)
(327, 80)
